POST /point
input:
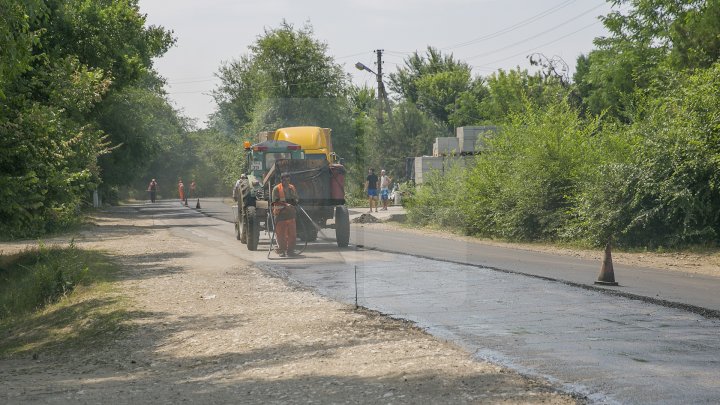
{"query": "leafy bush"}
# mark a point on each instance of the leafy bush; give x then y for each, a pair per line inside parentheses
(661, 187)
(521, 187)
(437, 201)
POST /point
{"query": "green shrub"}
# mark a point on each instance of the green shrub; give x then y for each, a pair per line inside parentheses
(658, 181)
(437, 201)
(521, 187)
(35, 278)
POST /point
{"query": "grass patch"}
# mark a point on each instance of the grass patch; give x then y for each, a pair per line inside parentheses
(57, 297)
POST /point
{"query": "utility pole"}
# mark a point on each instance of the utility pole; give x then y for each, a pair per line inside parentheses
(382, 94)
(381, 86)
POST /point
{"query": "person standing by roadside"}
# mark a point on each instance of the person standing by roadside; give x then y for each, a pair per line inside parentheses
(384, 189)
(152, 189)
(284, 200)
(371, 187)
(181, 192)
(192, 189)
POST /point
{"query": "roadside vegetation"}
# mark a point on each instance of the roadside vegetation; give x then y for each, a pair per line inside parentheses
(628, 156)
(57, 297)
(627, 150)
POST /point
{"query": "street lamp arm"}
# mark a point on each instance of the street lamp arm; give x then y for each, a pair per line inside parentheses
(360, 66)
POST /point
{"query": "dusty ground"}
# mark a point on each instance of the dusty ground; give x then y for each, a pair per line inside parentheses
(205, 327)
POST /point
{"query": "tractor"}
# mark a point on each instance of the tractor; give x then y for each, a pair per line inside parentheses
(320, 186)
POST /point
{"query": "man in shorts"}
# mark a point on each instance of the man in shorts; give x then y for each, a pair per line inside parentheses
(385, 181)
(371, 187)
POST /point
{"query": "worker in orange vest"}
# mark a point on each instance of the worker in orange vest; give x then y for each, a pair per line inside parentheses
(284, 200)
(181, 193)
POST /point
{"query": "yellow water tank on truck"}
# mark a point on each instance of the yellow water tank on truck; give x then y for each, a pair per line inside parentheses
(316, 142)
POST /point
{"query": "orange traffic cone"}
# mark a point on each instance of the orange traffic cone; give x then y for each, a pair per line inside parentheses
(607, 275)
(197, 206)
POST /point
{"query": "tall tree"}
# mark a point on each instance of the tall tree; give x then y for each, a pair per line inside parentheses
(434, 82)
(62, 63)
(286, 79)
(644, 36)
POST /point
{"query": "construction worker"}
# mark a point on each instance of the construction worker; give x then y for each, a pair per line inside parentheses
(284, 200)
(181, 193)
(152, 189)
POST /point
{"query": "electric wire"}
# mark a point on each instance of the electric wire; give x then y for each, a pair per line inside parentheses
(395, 53)
(542, 45)
(537, 34)
(512, 27)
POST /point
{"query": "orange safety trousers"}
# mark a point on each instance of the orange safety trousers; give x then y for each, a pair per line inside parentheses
(286, 234)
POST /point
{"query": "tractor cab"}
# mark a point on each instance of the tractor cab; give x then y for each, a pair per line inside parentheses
(261, 157)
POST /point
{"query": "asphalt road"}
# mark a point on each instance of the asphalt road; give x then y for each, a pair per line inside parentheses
(606, 348)
(661, 286)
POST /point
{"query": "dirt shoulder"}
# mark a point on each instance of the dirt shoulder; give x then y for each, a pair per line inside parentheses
(203, 326)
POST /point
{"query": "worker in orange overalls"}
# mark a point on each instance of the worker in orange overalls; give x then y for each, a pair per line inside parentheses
(284, 200)
(181, 193)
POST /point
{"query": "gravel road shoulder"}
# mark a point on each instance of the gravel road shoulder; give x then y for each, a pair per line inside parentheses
(206, 327)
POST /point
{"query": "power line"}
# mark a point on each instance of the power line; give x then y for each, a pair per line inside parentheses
(350, 56)
(512, 27)
(400, 53)
(538, 34)
(545, 44)
(191, 92)
(192, 81)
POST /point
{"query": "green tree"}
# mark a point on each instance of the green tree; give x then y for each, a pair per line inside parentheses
(521, 187)
(287, 79)
(236, 96)
(509, 91)
(411, 133)
(16, 38)
(646, 35)
(62, 63)
(661, 188)
(695, 36)
(48, 161)
(434, 82)
(107, 34)
(141, 122)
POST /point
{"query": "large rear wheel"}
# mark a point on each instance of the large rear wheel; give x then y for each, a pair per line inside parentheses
(307, 231)
(241, 227)
(342, 226)
(237, 230)
(252, 229)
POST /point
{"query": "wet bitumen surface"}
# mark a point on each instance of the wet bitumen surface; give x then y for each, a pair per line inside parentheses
(607, 348)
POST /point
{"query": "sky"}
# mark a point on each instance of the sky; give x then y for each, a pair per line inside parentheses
(487, 34)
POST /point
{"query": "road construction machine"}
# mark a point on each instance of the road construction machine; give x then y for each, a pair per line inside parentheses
(304, 153)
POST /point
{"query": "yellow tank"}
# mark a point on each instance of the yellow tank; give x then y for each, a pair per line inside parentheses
(316, 142)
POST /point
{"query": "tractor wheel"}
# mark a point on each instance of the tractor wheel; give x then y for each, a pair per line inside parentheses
(252, 229)
(269, 222)
(342, 226)
(241, 227)
(308, 232)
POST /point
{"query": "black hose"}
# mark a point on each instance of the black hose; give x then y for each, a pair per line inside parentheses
(272, 236)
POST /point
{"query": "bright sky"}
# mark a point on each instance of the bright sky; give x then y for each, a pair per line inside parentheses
(487, 34)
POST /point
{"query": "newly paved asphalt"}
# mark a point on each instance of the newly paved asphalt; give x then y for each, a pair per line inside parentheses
(607, 348)
(671, 287)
